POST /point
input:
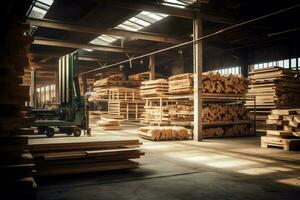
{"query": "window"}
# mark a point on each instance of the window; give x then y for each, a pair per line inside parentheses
(286, 63)
(229, 70)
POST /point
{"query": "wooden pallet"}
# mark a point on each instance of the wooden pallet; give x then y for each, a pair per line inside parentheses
(286, 144)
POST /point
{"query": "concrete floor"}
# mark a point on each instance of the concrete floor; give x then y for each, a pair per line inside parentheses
(231, 168)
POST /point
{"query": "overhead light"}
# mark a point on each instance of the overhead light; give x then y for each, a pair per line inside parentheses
(88, 50)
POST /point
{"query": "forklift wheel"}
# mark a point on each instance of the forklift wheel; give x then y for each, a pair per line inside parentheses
(42, 130)
(50, 132)
(77, 132)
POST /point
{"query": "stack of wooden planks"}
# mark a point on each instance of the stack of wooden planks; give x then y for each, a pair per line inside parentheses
(222, 112)
(16, 165)
(182, 111)
(181, 84)
(144, 76)
(159, 133)
(107, 123)
(283, 129)
(273, 88)
(154, 88)
(127, 110)
(213, 82)
(57, 156)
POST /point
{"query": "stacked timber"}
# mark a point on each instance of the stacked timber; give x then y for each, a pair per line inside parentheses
(236, 130)
(144, 76)
(154, 88)
(107, 123)
(160, 133)
(156, 114)
(58, 156)
(213, 82)
(182, 111)
(181, 84)
(16, 164)
(283, 129)
(274, 88)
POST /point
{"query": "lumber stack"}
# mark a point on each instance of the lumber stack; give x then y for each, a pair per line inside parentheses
(107, 123)
(274, 88)
(154, 88)
(213, 82)
(122, 93)
(165, 133)
(181, 84)
(58, 156)
(283, 129)
(219, 112)
(182, 111)
(16, 165)
(144, 76)
(237, 130)
(127, 110)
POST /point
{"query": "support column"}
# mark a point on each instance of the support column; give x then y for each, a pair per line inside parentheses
(56, 86)
(152, 67)
(198, 67)
(85, 86)
(244, 63)
(33, 92)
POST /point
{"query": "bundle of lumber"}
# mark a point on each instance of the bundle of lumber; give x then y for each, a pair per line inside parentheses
(227, 131)
(283, 129)
(107, 123)
(160, 133)
(144, 76)
(156, 114)
(16, 165)
(181, 111)
(57, 156)
(213, 82)
(273, 88)
(154, 88)
(181, 84)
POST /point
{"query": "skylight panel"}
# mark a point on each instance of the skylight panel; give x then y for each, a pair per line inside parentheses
(139, 21)
(133, 25)
(128, 28)
(174, 3)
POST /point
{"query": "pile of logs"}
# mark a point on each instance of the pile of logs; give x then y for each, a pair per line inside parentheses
(283, 129)
(154, 88)
(273, 88)
(213, 82)
(16, 163)
(181, 84)
(227, 131)
(159, 133)
(219, 112)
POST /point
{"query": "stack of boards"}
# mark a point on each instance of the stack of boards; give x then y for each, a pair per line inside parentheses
(274, 88)
(144, 76)
(16, 165)
(58, 156)
(181, 84)
(284, 129)
(154, 88)
(160, 133)
(107, 123)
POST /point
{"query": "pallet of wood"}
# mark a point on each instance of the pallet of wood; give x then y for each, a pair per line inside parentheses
(181, 84)
(16, 164)
(58, 156)
(181, 111)
(129, 110)
(154, 88)
(162, 133)
(213, 82)
(107, 123)
(123, 93)
(284, 129)
(273, 88)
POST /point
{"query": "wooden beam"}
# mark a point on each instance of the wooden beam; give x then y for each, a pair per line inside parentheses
(77, 45)
(158, 7)
(99, 31)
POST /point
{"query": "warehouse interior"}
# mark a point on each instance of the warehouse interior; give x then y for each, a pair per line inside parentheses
(148, 99)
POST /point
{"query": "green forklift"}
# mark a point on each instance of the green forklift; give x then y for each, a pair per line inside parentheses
(71, 117)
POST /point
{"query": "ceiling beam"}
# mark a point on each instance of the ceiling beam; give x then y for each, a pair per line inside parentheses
(98, 31)
(77, 45)
(83, 58)
(158, 7)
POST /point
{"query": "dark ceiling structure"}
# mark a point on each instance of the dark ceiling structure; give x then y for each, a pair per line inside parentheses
(71, 25)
